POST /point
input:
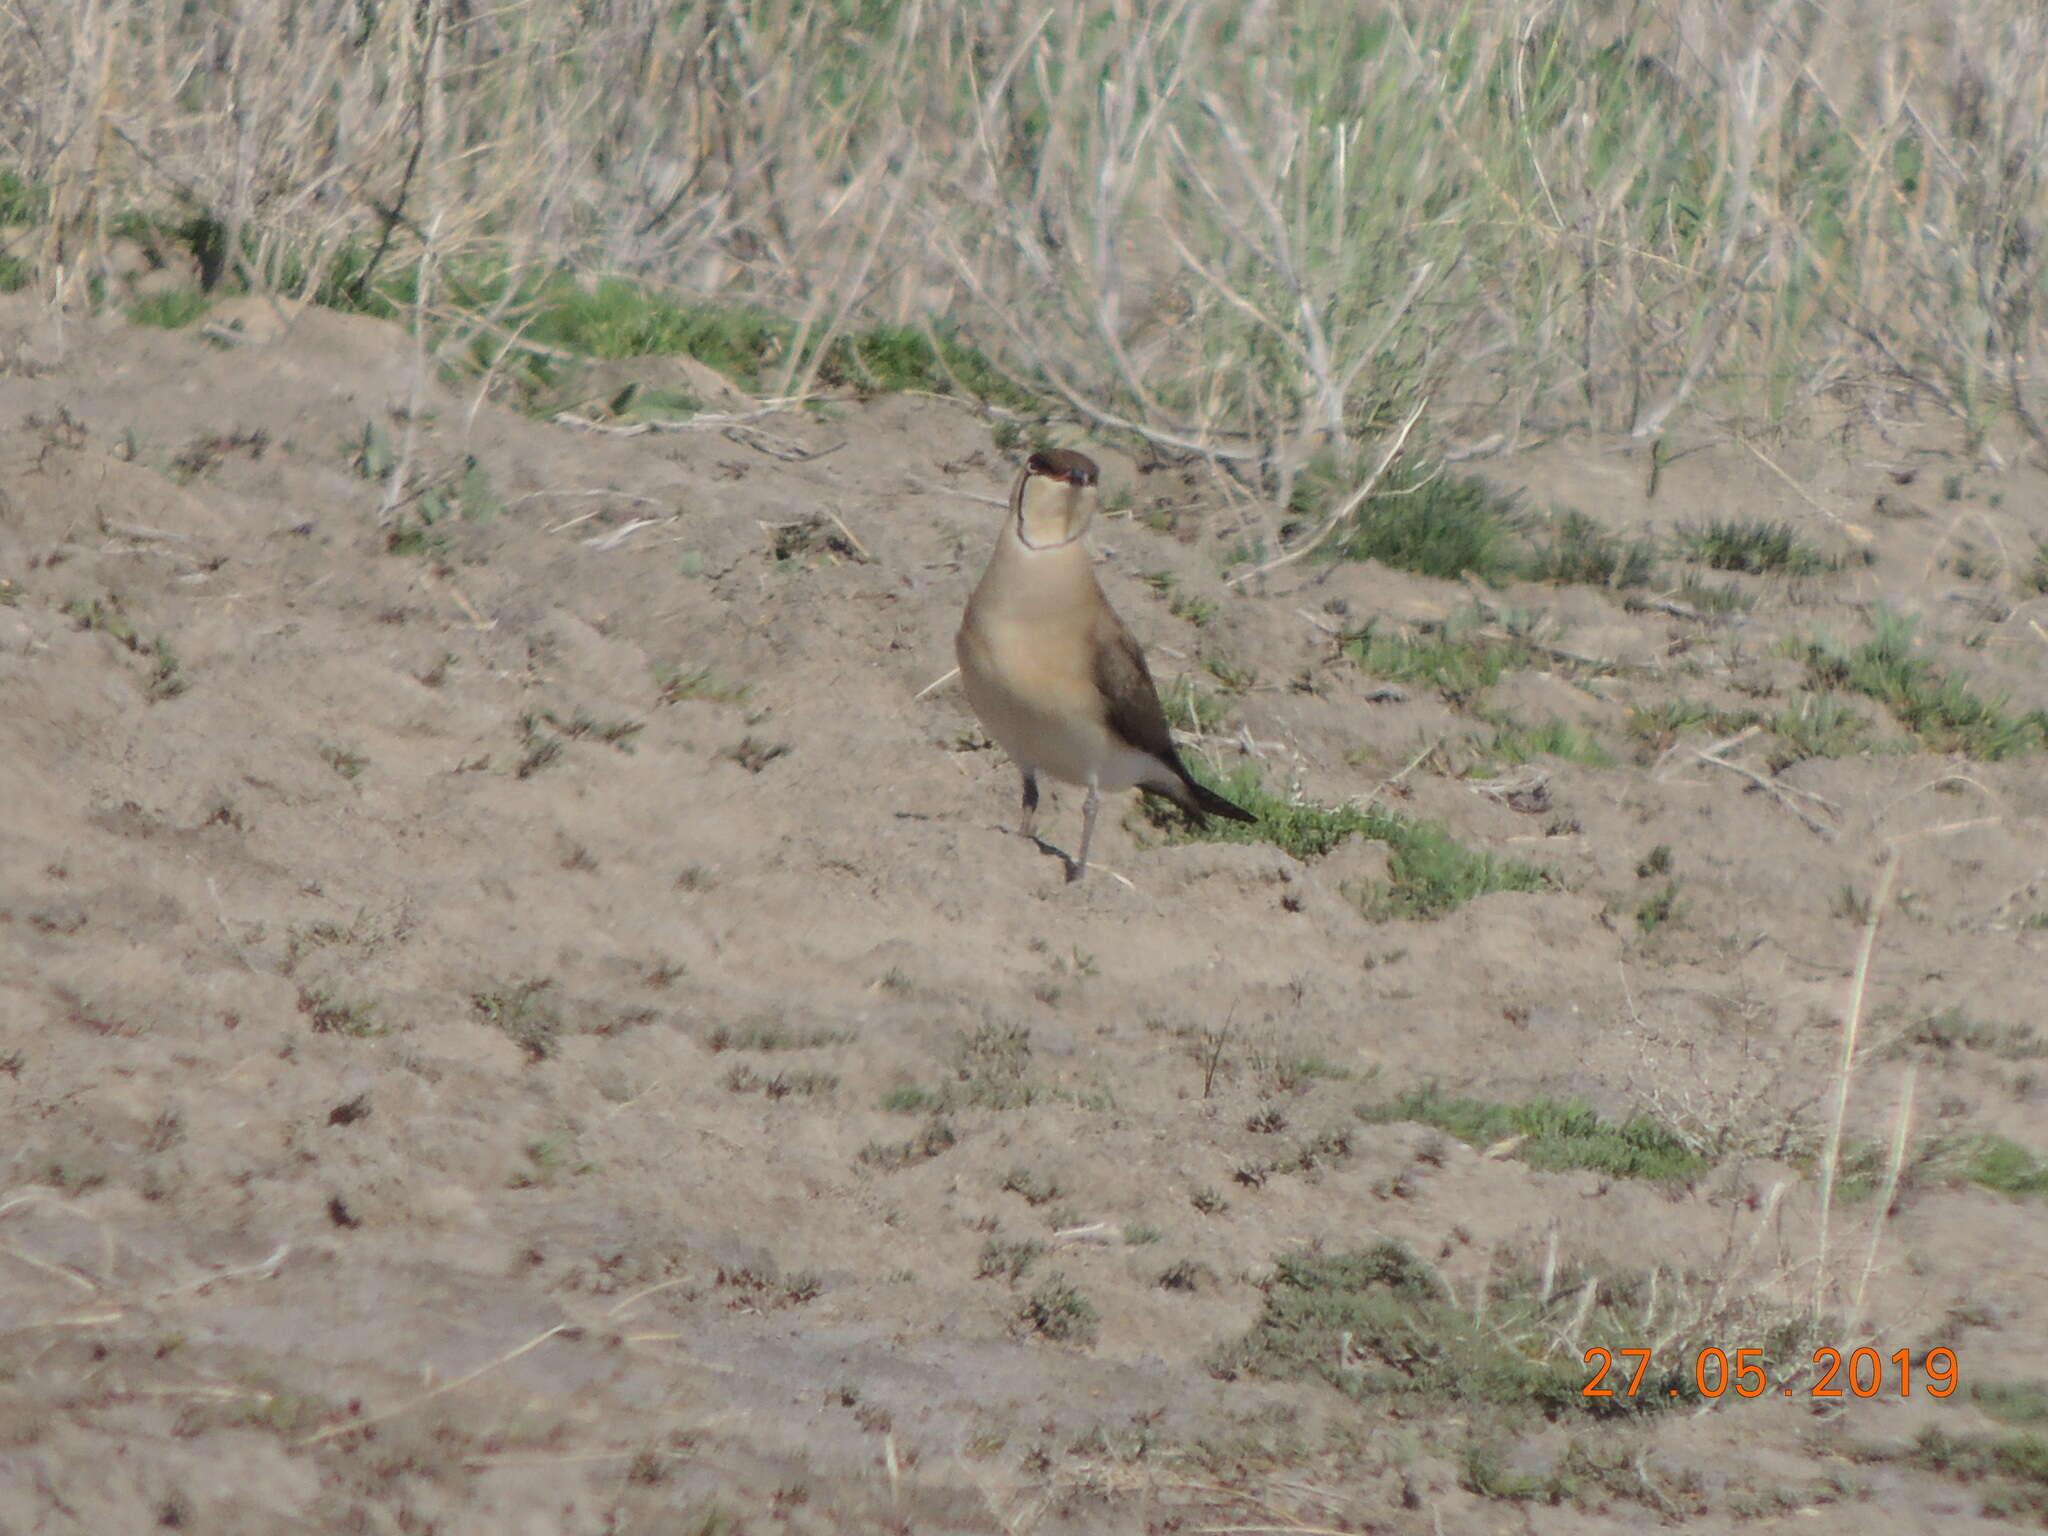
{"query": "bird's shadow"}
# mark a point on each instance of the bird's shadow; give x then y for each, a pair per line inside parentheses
(1050, 850)
(1073, 870)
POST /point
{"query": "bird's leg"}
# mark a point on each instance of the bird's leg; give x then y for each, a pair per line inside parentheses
(1088, 810)
(1030, 818)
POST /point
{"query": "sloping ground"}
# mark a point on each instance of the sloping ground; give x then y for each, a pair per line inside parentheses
(517, 1015)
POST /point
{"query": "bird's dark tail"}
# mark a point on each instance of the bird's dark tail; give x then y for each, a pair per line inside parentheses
(1200, 800)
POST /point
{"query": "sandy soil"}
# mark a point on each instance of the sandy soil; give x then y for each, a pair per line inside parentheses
(427, 1114)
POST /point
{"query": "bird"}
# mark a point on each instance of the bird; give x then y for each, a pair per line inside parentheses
(1049, 669)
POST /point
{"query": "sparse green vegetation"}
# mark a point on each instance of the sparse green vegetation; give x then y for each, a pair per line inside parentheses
(1658, 726)
(1713, 597)
(1817, 725)
(1448, 525)
(417, 523)
(1378, 1322)
(1662, 907)
(1280, 1071)
(937, 1137)
(171, 310)
(2001, 1164)
(1429, 872)
(1058, 1311)
(72, 1176)
(2012, 1469)
(539, 748)
(1513, 744)
(803, 1082)
(619, 318)
(1578, 549)
(546, 1157)
(525, 1012)
(648, 402)
(1458, 658)
(773, 1035)
(1432, 523)
(763, 1287)
(166, 675)
(1753, 547)
(1991, 1162)
(1457, 667)
(1194, 709)
(23, 201)
(581, 724)
(754, 754)
(1954, 1028)
(331, 1013)
(1198, 611)
(1034, 1189)
(1009, 1260)
(1554, 1135)
(678, 684)
(1936, 706)
(2012, 1402)
(1184, 1275)
(2033, 578)
(1585, 1476)
(345, 761)
(989, 1069)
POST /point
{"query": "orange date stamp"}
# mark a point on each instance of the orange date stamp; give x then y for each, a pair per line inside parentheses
(1715, 1372)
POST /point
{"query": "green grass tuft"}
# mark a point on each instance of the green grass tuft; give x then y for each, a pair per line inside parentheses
(1936, 706)
(524, 1012)
(1754, 547)
(1429, 872)
(1377, 1323)
(2012, 1402)
(1660, 725)
(1445, 526)
(2012, 1468)
(22, 201)
(617, 317)
(331, 1013)
(1056, 1310)
(1712, 597)
(1459, 665)
(1516, 744)
(1561, 1134)
(1658, 908)
(1194, 709)
(1818, 725)
(170, 311)
(1580, 550)
(2001, 1164)
(1953, 1028)
(1450, 526)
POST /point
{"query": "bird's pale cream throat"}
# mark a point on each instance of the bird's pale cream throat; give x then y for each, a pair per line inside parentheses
(1050, 670)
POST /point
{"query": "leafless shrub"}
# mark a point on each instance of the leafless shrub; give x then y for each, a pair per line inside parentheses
(1259, 234)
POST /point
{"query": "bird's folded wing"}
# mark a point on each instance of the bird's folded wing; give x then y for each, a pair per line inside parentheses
(1131, 703)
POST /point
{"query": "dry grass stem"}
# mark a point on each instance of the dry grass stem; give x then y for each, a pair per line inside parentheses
(1845, 1068)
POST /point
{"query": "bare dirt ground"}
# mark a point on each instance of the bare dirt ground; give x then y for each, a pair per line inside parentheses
(537, 1028)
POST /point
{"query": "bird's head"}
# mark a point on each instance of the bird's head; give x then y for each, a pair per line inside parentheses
(1055, 498)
